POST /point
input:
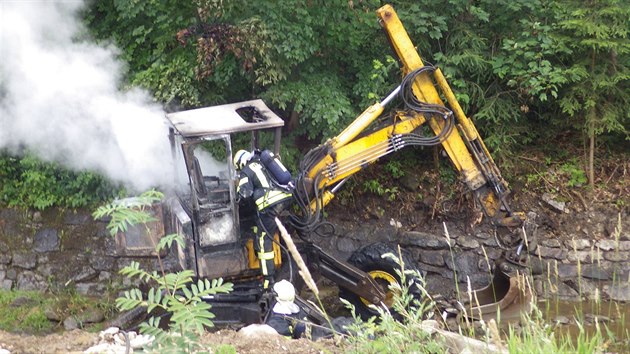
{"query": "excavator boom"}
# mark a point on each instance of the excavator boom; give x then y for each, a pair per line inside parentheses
(344, 155)
(327, 167)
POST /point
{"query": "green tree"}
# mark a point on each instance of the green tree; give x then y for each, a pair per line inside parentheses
(598, 33)
(29, 182)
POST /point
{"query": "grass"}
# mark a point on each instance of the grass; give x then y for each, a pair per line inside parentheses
(25, 311)
(400, 329)
(28, 318)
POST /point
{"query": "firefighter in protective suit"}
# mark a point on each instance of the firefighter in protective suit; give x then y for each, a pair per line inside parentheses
(270, 197)
(286, 317)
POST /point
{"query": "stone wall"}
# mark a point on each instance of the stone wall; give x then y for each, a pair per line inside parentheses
(57, 249)
(571, 269)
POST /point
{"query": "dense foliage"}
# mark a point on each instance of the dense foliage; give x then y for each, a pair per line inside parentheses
(526, 71)
(30, 182)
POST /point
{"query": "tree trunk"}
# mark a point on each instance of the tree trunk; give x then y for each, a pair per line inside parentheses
(592, 117)
(591, 159)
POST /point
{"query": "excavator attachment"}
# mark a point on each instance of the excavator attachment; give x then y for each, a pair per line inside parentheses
(508, 294)
(426, 100)
(504, 299)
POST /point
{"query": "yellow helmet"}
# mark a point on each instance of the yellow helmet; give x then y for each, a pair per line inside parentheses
(241, 158)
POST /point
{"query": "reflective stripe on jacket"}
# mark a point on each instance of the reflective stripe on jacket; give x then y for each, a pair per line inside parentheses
(253, 181)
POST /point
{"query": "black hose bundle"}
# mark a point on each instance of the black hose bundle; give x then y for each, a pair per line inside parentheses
(307, 221)
(429, 110)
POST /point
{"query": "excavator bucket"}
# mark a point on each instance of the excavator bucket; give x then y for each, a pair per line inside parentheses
(504, 299)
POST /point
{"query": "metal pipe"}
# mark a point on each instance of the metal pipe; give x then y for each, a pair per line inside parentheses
(390, 97)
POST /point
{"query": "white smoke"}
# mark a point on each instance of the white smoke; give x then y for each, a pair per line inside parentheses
(59, 98)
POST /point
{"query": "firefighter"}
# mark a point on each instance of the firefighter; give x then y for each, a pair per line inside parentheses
(256, 183)
(286, 317)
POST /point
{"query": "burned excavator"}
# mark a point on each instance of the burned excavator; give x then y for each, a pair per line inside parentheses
(219, 242)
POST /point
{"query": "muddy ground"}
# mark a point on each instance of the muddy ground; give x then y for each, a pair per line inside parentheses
(77, 341)
(423, 200)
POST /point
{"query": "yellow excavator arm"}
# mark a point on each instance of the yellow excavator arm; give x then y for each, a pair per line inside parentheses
(327, 166)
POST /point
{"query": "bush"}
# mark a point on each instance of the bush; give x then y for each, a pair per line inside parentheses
(29, 182)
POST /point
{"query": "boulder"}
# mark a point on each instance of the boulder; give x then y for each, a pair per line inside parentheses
(618, 292)
(46, 240)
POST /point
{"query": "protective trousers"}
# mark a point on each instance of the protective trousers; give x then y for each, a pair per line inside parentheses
(263, 245)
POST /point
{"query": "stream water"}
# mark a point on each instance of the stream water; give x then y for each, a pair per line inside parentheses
(568, 316)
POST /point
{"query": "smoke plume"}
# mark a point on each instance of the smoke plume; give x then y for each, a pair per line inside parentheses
(59, 98)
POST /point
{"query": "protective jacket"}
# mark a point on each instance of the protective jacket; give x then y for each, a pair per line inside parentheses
(256, 184)
(288, 323)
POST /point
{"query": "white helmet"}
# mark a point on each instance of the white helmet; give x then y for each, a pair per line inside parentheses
(241, 158)
(285, 292)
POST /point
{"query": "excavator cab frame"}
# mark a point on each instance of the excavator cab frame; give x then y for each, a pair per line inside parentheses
(201, 144)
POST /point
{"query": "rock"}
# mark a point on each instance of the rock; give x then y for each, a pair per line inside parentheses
(617, 256)
(492, 253)
(593, 271)
(624, 245)
(104, 348)
(4, 351)
(432, 257)
(491, 242)
(70, 323)
(395, 223)
(566, 270)
(577, 244)
(86, 273)
(46, 240)
(548, 252)
(566, 292)
(430, 326)
(257, 331)
(6, 284)
(104, 276)
(585, 288)
(591, 318)
(468, 243)
(483, 235)
(22, 301)
(607, 245)
(410, 182)
(114, 341)
(77, 218)
(23, 260)
(556, 290)
(345, 244)
(559, 207)
(91, 289)
(485, 266)
(385, 234)
(52, 314)
(90, 315)
(465, 264)
(592, 256)
(618, 292)
(458, 343)
(28, 280)
(5, 258)
(36, 217)
(108, 332)
(551, 242)
(424, 240)
(562, 320)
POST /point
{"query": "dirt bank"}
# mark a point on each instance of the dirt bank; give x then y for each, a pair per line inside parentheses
(77, 341)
